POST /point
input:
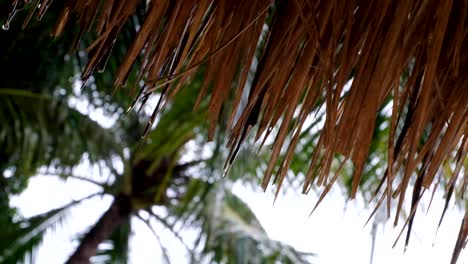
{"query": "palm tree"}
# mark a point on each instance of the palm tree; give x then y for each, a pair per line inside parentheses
(225, 222)
(405, 54)
(43, 133)
(143, 185)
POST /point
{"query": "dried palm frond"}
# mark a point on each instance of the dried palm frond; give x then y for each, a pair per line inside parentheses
(413, 52)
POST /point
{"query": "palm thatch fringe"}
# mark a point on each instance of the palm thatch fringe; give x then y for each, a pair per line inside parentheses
(413, 52)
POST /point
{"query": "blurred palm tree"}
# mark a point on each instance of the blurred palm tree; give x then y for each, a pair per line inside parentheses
(173, 175)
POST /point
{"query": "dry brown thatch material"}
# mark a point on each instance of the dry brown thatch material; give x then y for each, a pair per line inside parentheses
(311, 49)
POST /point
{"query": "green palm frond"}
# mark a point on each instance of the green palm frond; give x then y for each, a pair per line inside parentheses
(177, 123)
(238, 237)
(229, 230)
(20, 241)
(45, 131)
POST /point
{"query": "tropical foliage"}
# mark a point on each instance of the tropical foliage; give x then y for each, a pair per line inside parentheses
(46, 131)
(298, 58)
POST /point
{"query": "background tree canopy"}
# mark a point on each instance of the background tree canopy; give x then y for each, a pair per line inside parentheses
(171, 176)
(371, 92)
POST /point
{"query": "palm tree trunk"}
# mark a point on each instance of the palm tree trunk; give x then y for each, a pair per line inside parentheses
(117, 213)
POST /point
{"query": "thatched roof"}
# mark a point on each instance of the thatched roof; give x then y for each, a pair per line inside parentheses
(414, 53)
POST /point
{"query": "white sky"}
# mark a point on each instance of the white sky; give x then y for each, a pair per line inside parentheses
(335, 232)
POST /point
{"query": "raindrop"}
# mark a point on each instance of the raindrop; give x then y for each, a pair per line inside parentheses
(42, 9)
(14, 9)
(101, 67)
(83, 84)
